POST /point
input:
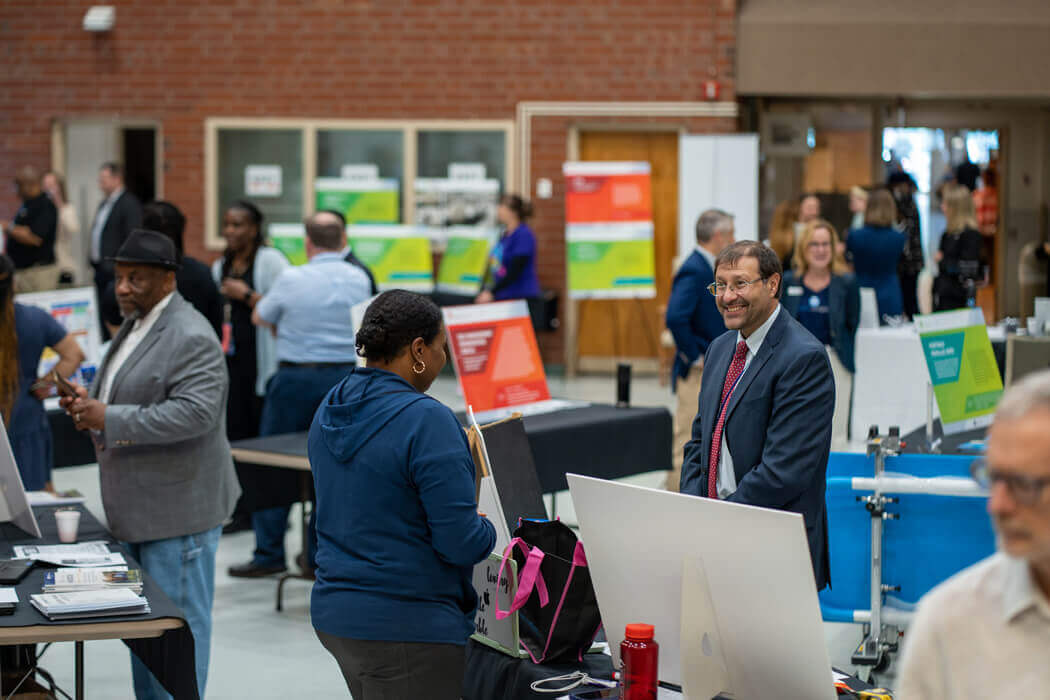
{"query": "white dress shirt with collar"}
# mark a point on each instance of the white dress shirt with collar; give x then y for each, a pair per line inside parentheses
(101, 217)
(138, 332)
(726, 476)
(707, 255)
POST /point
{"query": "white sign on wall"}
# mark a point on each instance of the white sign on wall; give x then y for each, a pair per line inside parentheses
(262, 180)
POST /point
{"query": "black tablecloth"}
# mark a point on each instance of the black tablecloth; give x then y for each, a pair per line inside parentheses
(601, 441)
(170, 657)
(492, 675)
(915, 441)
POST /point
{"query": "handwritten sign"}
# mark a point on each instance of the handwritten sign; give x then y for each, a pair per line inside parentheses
(490, 587)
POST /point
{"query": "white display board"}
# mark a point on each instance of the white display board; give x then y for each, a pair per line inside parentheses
(77, 311)
(720, 171)
(749, 592)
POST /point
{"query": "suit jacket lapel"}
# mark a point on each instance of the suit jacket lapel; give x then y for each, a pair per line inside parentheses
(118, 340)
(773, 337)
(143, 347)
(719, 368)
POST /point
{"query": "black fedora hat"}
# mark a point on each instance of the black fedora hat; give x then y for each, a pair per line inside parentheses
(144, 247)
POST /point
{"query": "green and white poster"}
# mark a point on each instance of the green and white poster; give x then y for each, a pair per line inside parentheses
(611, 260)
(962, 367)
(360, 201)
(466, 254)
(290, 239)
(399, 256)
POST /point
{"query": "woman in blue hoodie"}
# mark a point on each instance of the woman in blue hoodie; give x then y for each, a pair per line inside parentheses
(398, 532)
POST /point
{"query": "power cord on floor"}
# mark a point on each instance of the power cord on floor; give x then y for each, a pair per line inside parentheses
(569, 681)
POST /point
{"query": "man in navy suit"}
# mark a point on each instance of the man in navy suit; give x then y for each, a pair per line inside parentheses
(694, 321)
(762, 432)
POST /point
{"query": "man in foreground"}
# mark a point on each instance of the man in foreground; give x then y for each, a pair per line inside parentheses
(157, 416)
(985, 632)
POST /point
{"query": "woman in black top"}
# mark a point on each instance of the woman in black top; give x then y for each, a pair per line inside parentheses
(958, 258)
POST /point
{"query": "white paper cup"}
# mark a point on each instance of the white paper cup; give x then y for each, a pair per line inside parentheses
(68, 523)
(1033, 326)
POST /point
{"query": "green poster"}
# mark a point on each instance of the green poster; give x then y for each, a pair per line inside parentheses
(360, 201)
(464, 260)
(398, 256)
(611, 261)
(290, 239)
(962, 368)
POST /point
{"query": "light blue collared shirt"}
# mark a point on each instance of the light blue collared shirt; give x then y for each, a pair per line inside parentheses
(310, 305)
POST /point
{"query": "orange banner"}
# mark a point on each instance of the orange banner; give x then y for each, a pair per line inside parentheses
(497, 360)
(621, 193)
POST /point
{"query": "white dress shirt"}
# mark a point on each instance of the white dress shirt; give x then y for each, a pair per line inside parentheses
(138, 332)
(707, 255)
(984, 633)
(726, 484)
(101, 217)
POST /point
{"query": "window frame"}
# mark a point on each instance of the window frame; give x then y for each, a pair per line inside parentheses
(409, 129)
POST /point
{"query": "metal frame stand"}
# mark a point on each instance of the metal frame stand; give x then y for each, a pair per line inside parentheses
(305, 481)
(880, 639)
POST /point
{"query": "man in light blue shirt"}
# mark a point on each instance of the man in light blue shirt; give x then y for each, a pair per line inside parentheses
(308, 308)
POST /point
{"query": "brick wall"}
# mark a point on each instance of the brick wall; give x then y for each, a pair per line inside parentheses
(179, 62)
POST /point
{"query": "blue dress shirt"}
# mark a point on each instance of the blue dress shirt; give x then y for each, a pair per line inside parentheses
(310, 306)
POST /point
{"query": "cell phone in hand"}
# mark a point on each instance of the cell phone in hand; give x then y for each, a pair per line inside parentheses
(64, 386)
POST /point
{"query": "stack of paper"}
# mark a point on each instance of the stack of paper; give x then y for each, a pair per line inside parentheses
(88, 579)
(84, 604)
(95, 553)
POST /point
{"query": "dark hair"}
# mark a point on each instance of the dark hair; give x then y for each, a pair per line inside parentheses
(325, 235)
(393, 321)
(166, 218)
(113, 167)
(108, 307)
(9, 379)
(256, 218)
(60, 181)
(521, 207)
(337, 214)
(768, 261)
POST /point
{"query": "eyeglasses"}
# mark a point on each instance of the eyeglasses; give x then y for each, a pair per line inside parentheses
(738, 287)
(1026, 490)
(819, 244)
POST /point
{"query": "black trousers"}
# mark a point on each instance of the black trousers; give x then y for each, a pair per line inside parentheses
(398, 670)
(910, 293)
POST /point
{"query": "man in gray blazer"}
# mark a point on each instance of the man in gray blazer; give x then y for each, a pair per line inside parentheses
(157, 416)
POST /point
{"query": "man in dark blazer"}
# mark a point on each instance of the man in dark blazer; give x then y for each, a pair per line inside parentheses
(118, 214)
(694, 321)
(762, 433)
(193, 279)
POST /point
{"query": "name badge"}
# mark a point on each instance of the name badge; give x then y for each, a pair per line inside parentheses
(794, 291)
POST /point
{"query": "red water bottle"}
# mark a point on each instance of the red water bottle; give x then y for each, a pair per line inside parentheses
(640, 656)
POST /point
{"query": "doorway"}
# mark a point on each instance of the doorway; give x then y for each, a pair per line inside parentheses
(612, 330)
(81, 146)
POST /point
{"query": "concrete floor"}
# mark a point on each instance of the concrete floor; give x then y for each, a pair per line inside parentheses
(260, 653)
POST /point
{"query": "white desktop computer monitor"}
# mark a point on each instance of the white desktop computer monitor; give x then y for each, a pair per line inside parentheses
(14, 507)
(747, 613)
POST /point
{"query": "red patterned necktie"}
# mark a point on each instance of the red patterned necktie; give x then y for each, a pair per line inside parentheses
(736, 368)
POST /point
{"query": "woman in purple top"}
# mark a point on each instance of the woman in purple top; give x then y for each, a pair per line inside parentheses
(511, 270)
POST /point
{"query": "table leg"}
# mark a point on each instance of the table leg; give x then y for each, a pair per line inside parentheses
(78, 666)
(304, 499)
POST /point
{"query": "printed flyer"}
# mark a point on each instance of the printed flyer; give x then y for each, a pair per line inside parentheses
(495, 354)
(962, 368)
(399, 256)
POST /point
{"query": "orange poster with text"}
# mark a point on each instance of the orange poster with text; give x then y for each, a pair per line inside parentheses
(607, 192)
(496, 357)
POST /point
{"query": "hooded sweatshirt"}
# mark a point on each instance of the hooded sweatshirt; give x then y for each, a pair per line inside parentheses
(397, 525)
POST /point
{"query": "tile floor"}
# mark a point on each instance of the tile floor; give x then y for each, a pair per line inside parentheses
(260, 653)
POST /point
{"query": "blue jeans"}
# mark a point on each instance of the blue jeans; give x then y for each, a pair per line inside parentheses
(293, 396)
(184, 568)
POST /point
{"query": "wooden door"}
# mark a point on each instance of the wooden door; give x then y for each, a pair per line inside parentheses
(608, 329)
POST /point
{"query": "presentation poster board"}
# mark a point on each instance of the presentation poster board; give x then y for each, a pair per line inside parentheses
(399, 256)
(456, 201)
(360, 201)
(609, 230)
(962, 368)
(496, 357)
(290, 239)
(77, 311)
(463, 263)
